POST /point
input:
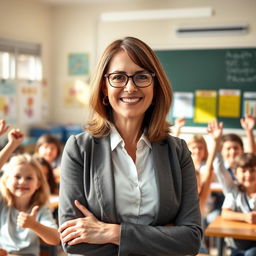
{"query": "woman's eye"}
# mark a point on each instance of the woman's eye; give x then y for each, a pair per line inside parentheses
(118, 78)
(141, 77)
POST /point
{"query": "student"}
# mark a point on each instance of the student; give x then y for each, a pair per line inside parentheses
(232, 146)
(15, 138)
(128, 187)
(48, 172)
(199, 152)
(240, 202)
(24, 217)
(215, 131)
(48, 146)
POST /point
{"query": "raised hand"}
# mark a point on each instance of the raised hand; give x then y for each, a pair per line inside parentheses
(26, 220)
(3, 127)
(215, 129)
(15, 137)
(180, 122)
(248, 122)
(86, 230)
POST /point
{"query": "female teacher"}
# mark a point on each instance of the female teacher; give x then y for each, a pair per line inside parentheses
(127, 187)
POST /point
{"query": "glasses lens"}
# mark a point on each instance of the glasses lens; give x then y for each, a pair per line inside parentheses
(117, 80)
(143, 80)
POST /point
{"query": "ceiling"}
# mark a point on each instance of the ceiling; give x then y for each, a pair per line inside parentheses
(60, 2)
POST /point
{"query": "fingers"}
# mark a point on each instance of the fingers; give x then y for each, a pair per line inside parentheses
(69, 234)
(67, 224)
(21, 219)
(34, 211)
(17, 133)
(72, 237)
(3, 127)
(82, 209)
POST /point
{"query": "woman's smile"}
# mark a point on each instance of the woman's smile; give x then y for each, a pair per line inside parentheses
(130, 100)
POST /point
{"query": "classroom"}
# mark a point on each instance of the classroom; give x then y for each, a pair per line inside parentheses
(49, 50)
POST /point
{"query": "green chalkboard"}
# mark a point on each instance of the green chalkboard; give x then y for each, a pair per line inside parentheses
(211, 69)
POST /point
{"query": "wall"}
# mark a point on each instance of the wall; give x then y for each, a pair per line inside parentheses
(64, 29)
(77, 28)
(30, 21)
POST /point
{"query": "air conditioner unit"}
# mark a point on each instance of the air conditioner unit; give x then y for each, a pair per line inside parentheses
(220, 29)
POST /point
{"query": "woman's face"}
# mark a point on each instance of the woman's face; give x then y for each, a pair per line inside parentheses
(129, 102)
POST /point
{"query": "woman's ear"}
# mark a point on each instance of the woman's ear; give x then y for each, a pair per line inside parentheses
(105, 90)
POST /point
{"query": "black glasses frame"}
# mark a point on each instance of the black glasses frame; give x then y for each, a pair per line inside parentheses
(128, 77)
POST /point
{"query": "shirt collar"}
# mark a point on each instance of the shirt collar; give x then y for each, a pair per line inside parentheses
(116, 139)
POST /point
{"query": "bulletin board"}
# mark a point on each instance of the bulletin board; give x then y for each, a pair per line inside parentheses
(214, 71)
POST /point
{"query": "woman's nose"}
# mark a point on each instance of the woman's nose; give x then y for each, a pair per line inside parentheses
(130, 86)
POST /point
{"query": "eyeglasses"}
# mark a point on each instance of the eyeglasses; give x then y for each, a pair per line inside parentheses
(120, 80)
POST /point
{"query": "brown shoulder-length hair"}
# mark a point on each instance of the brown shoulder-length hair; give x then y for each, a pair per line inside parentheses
(155, 117)
(41, 195)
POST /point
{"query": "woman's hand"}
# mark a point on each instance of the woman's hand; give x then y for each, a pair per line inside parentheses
(26, 220)
(88, 230)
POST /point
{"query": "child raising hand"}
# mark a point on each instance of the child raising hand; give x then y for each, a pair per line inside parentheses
(15, 138)
(23, 213)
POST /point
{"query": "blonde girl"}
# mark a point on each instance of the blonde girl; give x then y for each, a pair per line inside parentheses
(24, 217)
(199, 151)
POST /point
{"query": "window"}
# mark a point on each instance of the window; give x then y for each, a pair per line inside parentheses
(7, 65)
(20, 60)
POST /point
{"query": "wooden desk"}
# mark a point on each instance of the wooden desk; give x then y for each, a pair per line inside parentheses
(235, 229)
(226, 228)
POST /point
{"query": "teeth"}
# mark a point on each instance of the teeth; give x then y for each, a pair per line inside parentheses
(130, 100)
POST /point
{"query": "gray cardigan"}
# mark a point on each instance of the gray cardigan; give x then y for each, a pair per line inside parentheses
(87, 175)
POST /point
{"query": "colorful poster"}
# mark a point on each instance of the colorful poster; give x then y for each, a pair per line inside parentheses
(205, 106)
(78, 64)
(183, 105)
(229, 103)
(8, 110)
(249, 103)
(30, 103)
(76, 94)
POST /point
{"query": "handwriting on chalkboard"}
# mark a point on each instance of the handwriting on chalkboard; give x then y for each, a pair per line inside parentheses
(240, 66)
